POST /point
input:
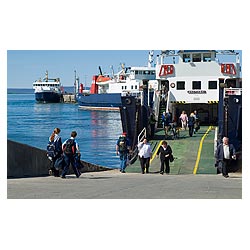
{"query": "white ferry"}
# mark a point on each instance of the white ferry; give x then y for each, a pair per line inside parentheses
(192, 79)
(48, 90)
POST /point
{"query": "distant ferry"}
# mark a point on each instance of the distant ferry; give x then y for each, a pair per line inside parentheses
(48, 90)
(105, 92)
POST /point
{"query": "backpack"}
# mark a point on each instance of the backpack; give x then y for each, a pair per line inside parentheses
(122, 144)
(51, 150)
(171, 158)
(191, 121)
(69, 147)
(59, 163)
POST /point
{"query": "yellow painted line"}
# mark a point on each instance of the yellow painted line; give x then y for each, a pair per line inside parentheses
(199, 151)
(156, 151)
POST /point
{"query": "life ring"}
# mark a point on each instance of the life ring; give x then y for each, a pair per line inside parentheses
(172, 85)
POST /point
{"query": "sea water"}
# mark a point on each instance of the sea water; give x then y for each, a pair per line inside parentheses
(32, 123)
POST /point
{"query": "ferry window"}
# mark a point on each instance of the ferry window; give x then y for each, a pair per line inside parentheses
(152, 72)
(196, 84)
(135, 86)
(196, 57)
(132, 87)
(136, 72)
(212, 84)
(180, 85)
(186, 58)
(207, 57)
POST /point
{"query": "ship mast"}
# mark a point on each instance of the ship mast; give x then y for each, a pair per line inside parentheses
(46, 76)
(150, 58)
(76, 84)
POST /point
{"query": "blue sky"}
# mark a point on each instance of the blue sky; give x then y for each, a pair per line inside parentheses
(26, 66)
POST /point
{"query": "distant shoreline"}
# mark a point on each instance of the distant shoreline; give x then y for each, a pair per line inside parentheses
(19, 91)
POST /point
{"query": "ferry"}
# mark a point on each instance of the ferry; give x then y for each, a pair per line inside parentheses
(48, 90)
(191, 80)
(106, 91)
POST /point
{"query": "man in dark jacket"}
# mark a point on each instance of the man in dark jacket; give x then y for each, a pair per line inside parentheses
(191, 122)
(70, 150)
(224, 154)
(164, 151)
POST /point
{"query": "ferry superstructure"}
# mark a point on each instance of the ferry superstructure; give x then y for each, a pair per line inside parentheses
(48, 90)
(192, 79)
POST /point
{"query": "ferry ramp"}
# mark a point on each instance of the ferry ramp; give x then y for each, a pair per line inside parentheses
(193, 155)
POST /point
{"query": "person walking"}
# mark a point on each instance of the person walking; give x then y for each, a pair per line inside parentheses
(152, 122)
(122, 149)
(145, 154)
(163, 119)
(184, 120)
(166, 120)
(165, 152)
(54, 150)
(197, 122)
(191, 122)
(225, 153)
(70, 150)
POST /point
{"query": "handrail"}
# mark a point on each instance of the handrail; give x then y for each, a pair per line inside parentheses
(156, 106)
(167, 106)
(142, 135)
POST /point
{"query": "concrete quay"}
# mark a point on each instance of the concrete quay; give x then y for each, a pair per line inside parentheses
(115, 185)
(95, 183)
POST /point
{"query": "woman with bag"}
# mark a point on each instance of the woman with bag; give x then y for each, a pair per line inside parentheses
(165, 152)
(56, 141)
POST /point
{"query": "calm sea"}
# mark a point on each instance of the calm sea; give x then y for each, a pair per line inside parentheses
(32, 123)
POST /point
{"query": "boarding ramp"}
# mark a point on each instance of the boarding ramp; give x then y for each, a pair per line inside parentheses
(186, 150)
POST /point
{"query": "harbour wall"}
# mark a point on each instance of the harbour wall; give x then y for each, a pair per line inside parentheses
(27, 161)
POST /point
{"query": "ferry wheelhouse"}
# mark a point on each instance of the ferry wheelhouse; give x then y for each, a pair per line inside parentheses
(192, 79)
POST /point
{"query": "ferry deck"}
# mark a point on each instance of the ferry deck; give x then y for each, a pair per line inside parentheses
(193, 155)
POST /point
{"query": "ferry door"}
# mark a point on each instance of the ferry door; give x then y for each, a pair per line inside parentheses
(231, 83)
(165, 85)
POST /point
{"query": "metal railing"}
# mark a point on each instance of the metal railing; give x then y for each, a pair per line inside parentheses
(142, 135)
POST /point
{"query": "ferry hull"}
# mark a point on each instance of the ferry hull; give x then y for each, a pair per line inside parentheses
(48, 97)
(100, 101)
